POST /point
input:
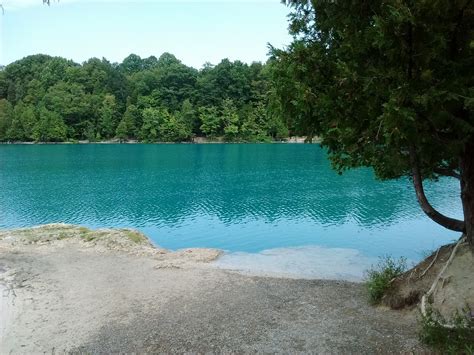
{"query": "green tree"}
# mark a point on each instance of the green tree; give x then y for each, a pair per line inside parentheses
(22, 123)
(387, 84)
(151, 122)
(15, 131)
(6, 115)
(189, 116)
(255, 123)
(211, 123)
(276, 128)
(35, 92)
(50, 127)
(126, 128)
(230, 118)
(173, 128)
(89, 131)
(175, 82)
(149, 63)
(70, 101)
(92, 98)
(108, 117)
(132, 64)
(27, 118)
(227, 80)
(161, 125)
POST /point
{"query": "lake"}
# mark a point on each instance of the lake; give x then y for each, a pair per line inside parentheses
(265, 204)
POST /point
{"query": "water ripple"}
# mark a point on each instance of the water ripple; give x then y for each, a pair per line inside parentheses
(236, 197)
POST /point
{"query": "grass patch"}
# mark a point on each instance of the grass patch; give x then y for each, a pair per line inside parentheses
(62, 236)
(131, 235)
(88, 237)
(456, 340)
(380, 275)
(85, 233)
(83, 230)
(34, 236)
(134, 236)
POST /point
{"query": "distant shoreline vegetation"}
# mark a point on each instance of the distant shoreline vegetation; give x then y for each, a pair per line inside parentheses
(193, 140)
(52, 99)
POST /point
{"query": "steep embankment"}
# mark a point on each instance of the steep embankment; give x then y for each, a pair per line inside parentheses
(443, 281)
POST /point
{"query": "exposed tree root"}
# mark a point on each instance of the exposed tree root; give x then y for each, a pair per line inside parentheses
(426, 297)
(431, 264)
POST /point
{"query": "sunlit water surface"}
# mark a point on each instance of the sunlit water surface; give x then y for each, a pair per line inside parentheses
(276, 208)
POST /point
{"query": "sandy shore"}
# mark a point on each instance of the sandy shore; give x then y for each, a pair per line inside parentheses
(67, 289)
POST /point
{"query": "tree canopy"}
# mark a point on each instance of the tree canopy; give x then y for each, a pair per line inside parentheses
(386, 84)
(149, 99)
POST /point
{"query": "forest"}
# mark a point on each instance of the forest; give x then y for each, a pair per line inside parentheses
(52, 99)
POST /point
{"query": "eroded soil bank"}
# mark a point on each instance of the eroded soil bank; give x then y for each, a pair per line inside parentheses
(69, 289)
(445, 278)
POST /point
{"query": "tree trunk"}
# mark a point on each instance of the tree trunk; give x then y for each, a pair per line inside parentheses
(447, 222)
(467, 191)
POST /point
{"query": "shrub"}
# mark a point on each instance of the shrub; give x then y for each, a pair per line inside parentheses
(458, 339)
(380, 275)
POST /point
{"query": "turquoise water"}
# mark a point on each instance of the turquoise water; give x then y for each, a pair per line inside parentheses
(241, 198)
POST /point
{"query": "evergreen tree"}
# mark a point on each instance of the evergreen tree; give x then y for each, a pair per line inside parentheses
(387, 84)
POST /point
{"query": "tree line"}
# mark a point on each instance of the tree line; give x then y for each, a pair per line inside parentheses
(47, 99)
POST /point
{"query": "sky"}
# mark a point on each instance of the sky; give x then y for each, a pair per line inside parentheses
(195, 31)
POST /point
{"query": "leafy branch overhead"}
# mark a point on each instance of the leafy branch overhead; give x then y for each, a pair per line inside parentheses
(386, 84)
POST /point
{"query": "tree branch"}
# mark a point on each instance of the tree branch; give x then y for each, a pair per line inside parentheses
(447, 222)
(447, 172)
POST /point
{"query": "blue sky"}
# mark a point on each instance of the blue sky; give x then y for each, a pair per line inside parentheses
(195, 31)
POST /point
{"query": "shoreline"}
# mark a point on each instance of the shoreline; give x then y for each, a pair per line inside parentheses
(198, 140)
(111, 290)
(305, 262)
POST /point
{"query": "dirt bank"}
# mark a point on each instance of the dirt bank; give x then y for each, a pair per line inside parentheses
(71, 289)
(450, 275)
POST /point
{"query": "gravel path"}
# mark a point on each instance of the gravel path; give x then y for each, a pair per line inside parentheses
(73, 298)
